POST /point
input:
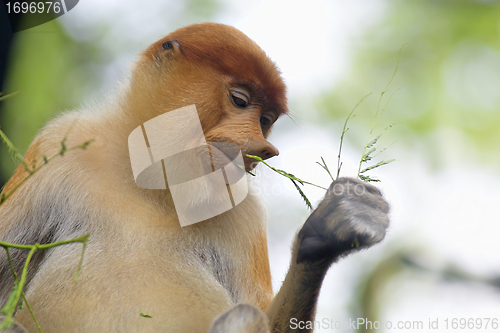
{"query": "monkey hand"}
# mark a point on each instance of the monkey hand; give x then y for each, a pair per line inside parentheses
(352, 216)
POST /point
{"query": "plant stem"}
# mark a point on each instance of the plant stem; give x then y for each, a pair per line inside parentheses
(344, 131)
(31, 172)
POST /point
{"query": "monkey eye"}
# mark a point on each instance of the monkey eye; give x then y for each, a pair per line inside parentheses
(264, 121)
(239, 98)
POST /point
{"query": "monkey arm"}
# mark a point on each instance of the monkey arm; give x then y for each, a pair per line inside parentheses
(299, 293)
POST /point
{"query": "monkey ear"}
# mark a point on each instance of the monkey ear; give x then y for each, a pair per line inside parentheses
(171, 44)
(168, 49)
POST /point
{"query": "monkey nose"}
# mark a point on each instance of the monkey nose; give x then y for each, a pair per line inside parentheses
(263, 149)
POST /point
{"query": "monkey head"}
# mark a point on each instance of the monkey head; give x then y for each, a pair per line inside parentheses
(237, 89)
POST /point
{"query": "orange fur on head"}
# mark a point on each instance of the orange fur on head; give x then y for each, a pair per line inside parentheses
(231, 53)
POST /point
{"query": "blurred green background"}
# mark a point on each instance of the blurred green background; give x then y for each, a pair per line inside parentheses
(441, 258)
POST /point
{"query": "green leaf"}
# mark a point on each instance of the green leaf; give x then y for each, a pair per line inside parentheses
(372, 143)
(366, 178)
(379, 164)
(308, 203)
(366, 157)
(145, 315)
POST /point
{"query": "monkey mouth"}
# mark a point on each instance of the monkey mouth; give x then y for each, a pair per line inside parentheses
(225, 154)
(250, 163)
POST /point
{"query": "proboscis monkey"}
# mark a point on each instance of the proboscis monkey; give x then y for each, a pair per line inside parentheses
(211, 276)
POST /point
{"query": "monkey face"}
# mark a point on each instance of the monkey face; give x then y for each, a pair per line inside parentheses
(245, 119)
